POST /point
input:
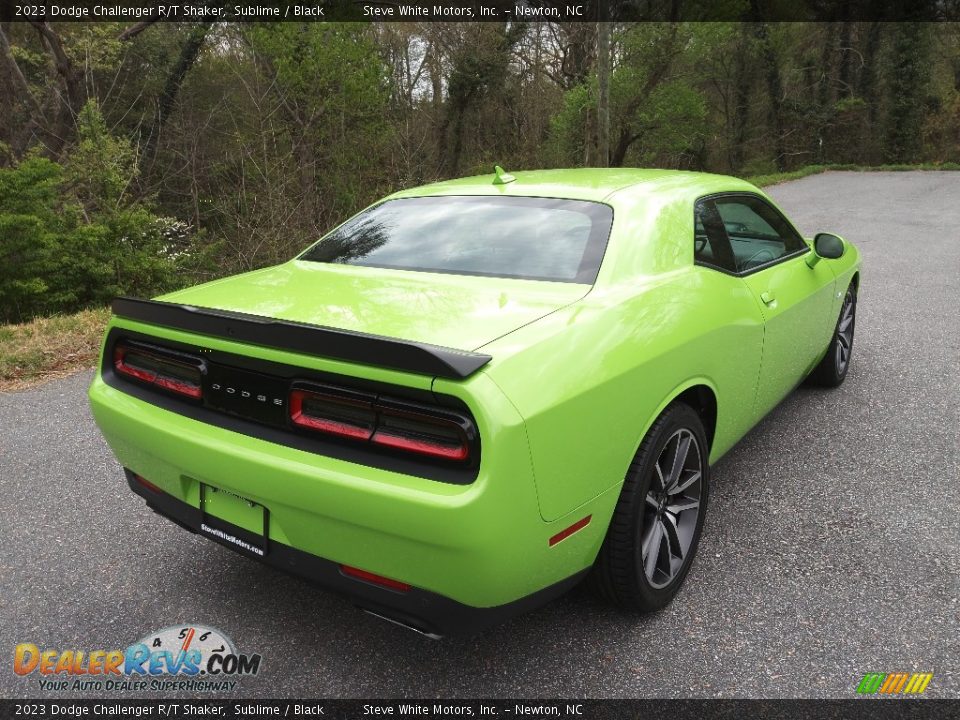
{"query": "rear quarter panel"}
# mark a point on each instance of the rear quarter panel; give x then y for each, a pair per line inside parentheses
(590, 379)
(596, 375)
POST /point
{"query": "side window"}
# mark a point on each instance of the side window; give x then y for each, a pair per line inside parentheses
(757, 233)
(710, 244)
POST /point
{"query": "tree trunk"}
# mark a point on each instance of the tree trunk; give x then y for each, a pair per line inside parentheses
(624, 142)
(741, 82)
(909, 79)
(846, 51)
(74, 94)
(603, 94)
(775, 93)
(188, 56)
(867, 86)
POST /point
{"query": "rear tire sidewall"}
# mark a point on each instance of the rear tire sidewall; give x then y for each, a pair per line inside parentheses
(681, 416)
(618, 575)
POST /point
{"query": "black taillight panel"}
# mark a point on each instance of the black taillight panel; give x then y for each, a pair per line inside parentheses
(431, 432)
(248, 394)
(407, 430)
(160, 368)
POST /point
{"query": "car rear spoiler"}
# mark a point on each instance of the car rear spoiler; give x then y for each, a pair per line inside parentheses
(315, 340)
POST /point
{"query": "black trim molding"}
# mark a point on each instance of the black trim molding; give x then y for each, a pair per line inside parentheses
(315, 340)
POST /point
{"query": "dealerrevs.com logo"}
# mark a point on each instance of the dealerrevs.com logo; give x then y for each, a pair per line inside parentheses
(191, 657)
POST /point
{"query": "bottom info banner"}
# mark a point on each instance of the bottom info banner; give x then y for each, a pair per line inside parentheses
(694, 709)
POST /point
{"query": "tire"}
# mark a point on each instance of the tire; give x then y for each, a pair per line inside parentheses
(833, 369)
(624, 573)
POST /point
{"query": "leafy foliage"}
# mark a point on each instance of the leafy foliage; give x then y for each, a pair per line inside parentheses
(73, 237)
(135, 158)
(909, 80)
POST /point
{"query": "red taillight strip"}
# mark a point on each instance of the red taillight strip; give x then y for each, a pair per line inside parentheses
(333, 427)
(153, 377)
(119, 362)
(370, 577)
(380, 432)
(564, 534)
(420, 446)
(177, 386)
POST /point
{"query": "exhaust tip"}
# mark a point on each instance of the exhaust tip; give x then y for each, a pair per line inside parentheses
(404, 624)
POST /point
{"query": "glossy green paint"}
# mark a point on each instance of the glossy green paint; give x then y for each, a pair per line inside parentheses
(451, 539)
(456, 311)
(578, 375)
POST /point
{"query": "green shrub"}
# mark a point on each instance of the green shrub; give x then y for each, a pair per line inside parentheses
(72, 236)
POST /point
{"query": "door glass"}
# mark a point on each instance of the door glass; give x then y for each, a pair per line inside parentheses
(710, 244)
(758, 234)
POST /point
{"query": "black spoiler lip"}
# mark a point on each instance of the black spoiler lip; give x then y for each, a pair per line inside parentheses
(315, 340)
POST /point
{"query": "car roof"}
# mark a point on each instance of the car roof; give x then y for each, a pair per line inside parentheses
(595, 184)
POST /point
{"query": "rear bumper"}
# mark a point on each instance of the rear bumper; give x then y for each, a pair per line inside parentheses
(478, 547)
(420, 610)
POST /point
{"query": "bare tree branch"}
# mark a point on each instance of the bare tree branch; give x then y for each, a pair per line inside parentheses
(18, 74)
(134, 30)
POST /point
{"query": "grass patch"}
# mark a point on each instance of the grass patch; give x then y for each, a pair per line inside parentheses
(777, 178)
(50, 347)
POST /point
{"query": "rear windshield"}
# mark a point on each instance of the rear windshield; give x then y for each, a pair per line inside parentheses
(510, 237)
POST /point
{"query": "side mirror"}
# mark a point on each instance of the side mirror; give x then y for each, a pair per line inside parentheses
(826, 245)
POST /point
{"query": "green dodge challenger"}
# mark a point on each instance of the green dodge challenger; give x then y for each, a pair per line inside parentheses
(473, 394)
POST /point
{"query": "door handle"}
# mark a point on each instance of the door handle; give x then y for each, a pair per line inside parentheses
(768, 297)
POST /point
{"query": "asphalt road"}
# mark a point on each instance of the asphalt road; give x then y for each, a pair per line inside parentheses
(832, 546)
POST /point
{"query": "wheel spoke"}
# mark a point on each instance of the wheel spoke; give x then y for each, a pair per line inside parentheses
(679, 459)
(685, 482)
(648, 536)
(663, 552)
(658, 475)
(674, 549)
(682, 504)
(651, 548)
(651, 500)
(843, 350)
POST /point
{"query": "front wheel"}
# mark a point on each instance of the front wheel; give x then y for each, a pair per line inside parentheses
(656, 525)
(832, 370)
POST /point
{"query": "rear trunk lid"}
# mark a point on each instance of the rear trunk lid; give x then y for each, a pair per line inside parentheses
(456, 311)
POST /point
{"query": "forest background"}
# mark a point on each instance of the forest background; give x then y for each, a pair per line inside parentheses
(137, 158)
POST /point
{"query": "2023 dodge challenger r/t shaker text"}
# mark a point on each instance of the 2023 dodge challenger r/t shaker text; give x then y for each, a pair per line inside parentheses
(473, 394)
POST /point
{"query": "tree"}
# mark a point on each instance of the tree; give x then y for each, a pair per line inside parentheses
(909, 79)
(478, 73)
(335, 118)
(603, 93)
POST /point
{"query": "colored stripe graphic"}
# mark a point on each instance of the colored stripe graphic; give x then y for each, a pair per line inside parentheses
(894, 683)
(922, 680)
(870, 683)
